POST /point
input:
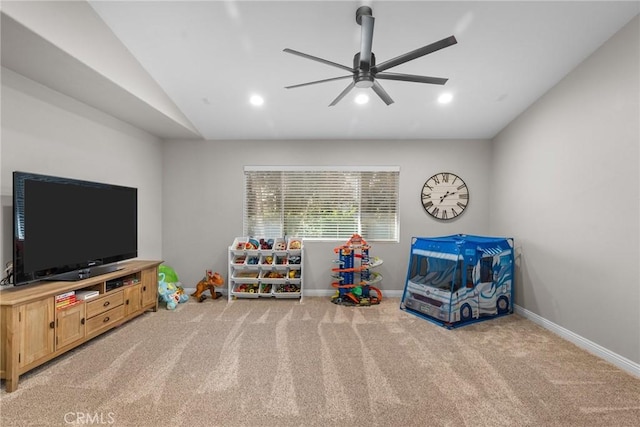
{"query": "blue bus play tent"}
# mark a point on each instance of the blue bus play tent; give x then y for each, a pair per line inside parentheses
(459, 279)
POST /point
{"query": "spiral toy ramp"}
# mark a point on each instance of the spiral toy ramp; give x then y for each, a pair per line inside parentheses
(353, 277)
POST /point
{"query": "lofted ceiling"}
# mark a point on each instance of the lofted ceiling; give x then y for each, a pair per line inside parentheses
(209, 57)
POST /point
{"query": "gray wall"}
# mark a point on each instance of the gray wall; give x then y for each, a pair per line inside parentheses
(46, 132)
(565, 184)
(203, 192)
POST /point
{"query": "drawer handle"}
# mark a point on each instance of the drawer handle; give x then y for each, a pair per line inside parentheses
(106, 303)
(106, 319)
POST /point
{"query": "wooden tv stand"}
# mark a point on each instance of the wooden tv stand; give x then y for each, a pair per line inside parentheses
(34, 331)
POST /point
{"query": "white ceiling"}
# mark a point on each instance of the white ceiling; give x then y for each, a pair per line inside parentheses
(210, 56)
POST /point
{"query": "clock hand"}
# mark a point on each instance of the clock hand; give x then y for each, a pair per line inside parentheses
(447, 194)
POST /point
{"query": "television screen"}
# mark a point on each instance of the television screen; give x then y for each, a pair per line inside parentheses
(69, 229)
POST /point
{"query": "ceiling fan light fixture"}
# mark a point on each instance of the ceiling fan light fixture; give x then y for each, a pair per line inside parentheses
(365, 84)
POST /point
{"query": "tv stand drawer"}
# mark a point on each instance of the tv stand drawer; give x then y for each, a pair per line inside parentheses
(102, 304)
(105, 319)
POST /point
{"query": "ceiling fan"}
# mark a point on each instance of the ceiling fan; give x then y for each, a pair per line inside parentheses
(365, 71)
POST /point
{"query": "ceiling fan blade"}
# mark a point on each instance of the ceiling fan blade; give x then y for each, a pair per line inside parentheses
(382, 93)
(411, 78)
(366, 41)
(315, 58)
(451, 40)
(343, 93)
(319, 81)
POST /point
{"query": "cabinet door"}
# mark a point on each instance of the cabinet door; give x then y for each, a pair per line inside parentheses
(132, 299)
(69, 325)
(150, 288)
(36, 330)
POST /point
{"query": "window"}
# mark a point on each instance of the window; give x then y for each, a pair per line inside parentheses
(329, 203)
(486, 269)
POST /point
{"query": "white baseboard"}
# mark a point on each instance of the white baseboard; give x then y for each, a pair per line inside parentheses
(621, 362)
(309, 292)
(330, 292)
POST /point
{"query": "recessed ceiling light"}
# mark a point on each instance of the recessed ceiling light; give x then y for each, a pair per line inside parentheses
(445, 98)
(256, 100)
(363, 98)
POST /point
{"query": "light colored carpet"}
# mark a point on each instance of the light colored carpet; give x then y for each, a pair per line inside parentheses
(286, 363)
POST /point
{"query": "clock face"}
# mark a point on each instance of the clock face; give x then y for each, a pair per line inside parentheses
(445, 196)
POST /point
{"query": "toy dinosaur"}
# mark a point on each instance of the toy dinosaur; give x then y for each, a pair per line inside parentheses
(208, 283)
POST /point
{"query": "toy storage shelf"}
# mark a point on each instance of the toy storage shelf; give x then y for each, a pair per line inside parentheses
(265, 268)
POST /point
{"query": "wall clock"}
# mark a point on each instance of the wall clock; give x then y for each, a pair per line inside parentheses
(445, 196)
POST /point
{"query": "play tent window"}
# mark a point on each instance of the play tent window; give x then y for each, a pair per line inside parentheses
(486, 272)
(322, 203)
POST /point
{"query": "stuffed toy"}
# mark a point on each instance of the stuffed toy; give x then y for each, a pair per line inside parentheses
(209, 282)
(170, 293)
(170, 275)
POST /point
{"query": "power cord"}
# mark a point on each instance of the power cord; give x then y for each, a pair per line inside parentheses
(8, 274)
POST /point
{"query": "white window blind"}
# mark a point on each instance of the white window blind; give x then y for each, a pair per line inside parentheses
(322, 203)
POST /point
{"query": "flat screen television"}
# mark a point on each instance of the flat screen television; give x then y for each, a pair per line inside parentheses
(69, 229)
